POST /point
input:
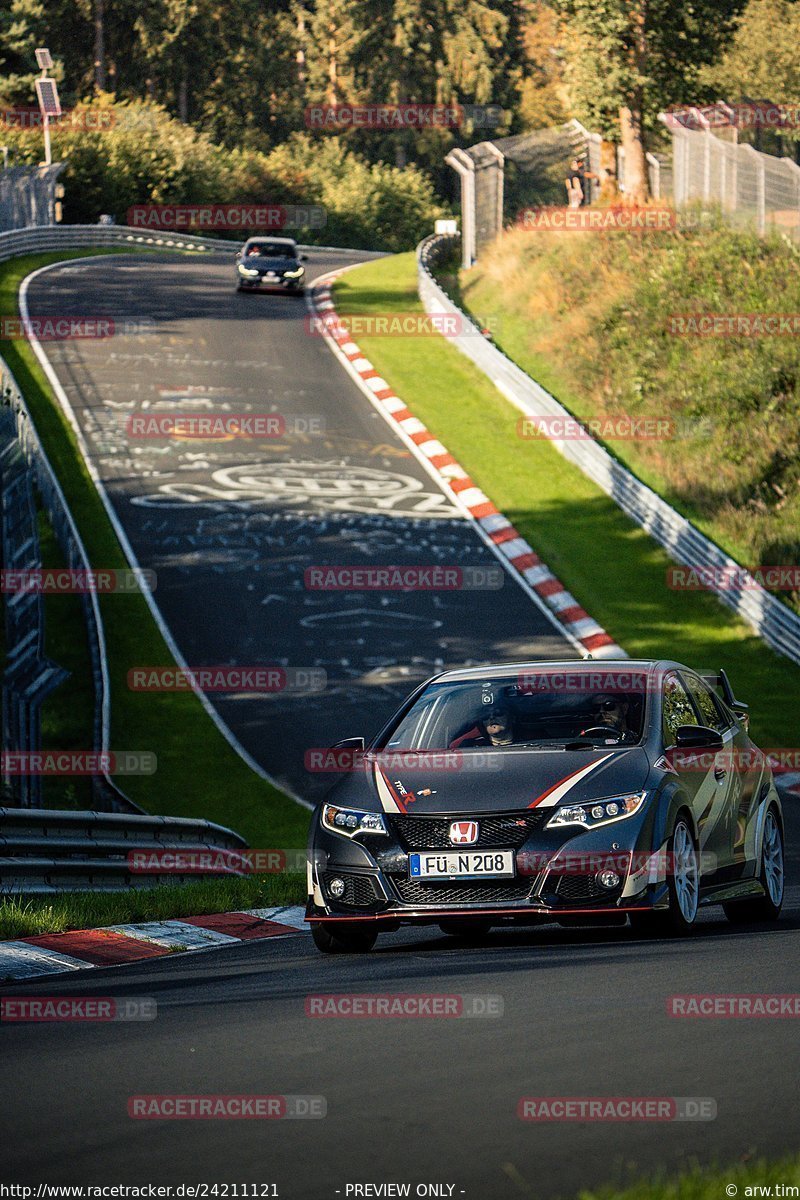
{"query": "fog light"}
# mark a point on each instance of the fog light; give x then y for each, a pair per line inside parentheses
(336, 888)
(608, 879)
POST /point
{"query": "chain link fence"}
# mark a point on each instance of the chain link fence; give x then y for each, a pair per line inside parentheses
(751, 188)
(500, 179)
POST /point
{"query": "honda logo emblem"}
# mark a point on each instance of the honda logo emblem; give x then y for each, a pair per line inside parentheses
(464, 833)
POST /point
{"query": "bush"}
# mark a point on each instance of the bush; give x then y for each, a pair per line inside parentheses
(126, 153)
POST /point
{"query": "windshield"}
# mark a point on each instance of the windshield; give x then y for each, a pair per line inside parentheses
(270, 250)
(476, 714)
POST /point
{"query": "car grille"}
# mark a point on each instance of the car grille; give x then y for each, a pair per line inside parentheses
(411, 891)
(578, 889)
(359, 890)
(508, 831)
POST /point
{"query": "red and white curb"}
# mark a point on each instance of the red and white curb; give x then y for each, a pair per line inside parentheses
(80, 949)
(509, 545)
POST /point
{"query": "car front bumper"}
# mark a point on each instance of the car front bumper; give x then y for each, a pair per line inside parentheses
(556, 878)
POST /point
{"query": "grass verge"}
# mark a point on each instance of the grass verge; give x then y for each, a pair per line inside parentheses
(613, 568)
(605, 321)
(199, 774)
(760, 1177)
(26, 917)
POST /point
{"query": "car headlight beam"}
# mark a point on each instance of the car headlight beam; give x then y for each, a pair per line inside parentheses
(294, 274)
(243, 270)
(597, 812)
(352, 821)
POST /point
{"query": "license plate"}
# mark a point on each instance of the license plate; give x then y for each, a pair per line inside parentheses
(462, 864)
(271, 275)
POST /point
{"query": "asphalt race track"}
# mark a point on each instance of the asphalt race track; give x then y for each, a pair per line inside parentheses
(425, 1101)
(421, 1101)
(230, 527)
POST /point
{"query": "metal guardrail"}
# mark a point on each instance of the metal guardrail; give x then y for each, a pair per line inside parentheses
(73, 237)
(29, 676)
(776, 624)
(45, 851)
(107, 794)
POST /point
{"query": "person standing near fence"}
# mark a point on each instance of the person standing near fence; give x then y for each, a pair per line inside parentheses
(575, 184)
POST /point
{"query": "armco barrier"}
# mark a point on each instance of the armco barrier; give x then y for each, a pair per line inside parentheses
(776, 624)
(45, 851)
(41, 239)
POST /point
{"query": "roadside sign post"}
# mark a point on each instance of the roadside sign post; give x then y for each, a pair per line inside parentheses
(47, 95)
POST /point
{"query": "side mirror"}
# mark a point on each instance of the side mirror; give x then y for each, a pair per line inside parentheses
(352, 743)
(237, 256)
(698, 737)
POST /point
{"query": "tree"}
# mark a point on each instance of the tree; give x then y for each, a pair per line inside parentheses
(22, 25)
(761, 61)
(543, 100)
(628, 59)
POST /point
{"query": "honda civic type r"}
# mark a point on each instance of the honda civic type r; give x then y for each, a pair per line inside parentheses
(581, 793)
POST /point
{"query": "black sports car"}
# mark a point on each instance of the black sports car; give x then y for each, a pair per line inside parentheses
(270, 264)
(583, 793)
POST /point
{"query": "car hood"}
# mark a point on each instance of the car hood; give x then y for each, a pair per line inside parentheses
(270, 264)
(490, 781)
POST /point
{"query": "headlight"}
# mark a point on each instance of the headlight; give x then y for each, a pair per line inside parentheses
(294, 274)
(350, 821)
(598, 812)
(243, 270)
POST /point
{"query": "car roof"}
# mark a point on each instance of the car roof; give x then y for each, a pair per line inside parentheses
(268, 237)
(599, 667)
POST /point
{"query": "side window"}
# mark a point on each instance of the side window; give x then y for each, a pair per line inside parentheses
(710, 712)
(676, 708)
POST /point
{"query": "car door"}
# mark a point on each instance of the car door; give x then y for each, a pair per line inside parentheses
(706, 790)
(726, 772)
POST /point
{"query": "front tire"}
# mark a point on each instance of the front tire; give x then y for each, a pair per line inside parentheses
(683, 882)
(339, 937)
(771, 876)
